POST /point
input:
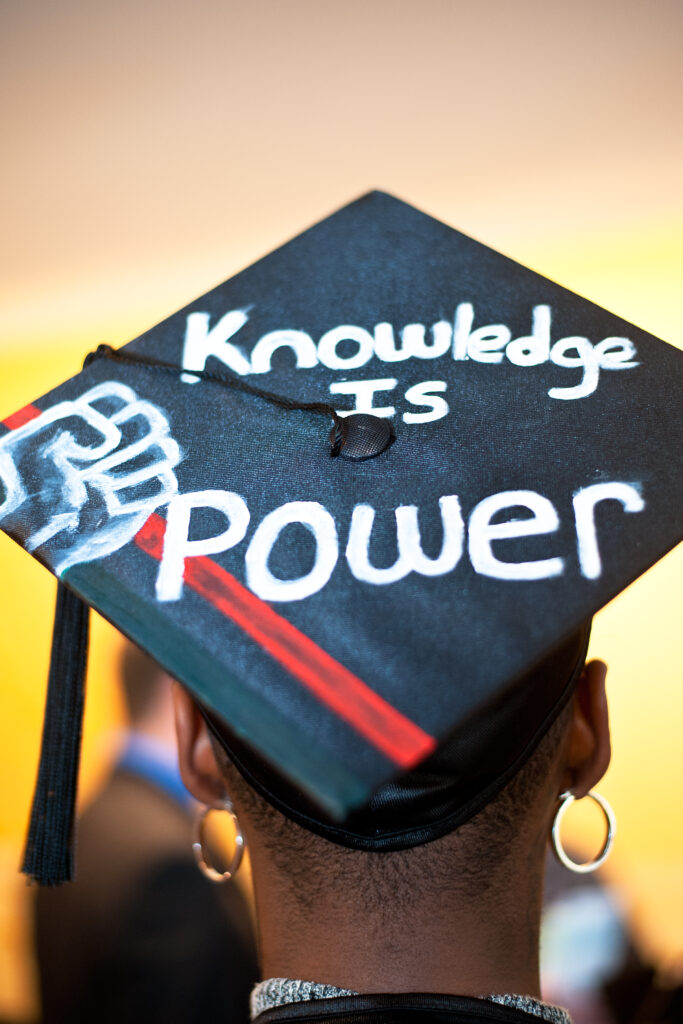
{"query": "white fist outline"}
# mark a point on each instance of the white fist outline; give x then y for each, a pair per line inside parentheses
(83, 469)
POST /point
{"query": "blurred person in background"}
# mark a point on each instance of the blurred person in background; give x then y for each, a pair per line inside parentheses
(141, 935)
(590, 962)
(585, 941)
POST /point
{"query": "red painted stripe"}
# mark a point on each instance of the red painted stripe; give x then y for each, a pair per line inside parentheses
(401, 740)
(21, 416)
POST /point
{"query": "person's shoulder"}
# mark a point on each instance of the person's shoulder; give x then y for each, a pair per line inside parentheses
(402, 1008)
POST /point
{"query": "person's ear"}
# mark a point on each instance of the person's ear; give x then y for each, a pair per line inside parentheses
(196, 758)
(588, 748)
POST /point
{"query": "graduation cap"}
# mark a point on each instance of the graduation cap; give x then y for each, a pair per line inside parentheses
(362, 500)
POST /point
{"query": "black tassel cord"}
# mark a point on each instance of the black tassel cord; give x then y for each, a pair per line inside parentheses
(49, 852)
(230, 381)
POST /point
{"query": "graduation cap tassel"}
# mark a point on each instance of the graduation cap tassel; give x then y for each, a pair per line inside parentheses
(337, 435)
(48, 856)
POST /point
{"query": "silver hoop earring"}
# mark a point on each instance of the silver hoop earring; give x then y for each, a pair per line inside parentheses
(567, 799)
(203, 862)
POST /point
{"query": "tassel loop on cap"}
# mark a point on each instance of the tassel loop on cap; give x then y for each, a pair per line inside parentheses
(230, 380)
(49, 852)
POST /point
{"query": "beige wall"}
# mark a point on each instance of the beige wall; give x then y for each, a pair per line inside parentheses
(152, 149)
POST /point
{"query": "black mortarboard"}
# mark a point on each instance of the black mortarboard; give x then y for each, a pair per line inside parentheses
(380, 614)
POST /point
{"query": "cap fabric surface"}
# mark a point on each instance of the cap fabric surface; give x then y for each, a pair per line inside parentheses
(351, 619)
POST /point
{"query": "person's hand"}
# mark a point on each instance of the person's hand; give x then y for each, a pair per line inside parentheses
(81, 479)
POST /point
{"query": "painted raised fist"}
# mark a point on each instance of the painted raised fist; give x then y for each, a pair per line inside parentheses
(81, 479)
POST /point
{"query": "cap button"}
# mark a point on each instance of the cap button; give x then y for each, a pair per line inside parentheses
(364, 436)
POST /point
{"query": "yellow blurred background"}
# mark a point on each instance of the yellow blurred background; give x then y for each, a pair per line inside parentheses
(152, 149)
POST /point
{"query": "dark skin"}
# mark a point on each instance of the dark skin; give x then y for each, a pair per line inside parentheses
(440, 938)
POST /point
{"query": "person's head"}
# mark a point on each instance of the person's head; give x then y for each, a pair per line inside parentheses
(505, 836)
